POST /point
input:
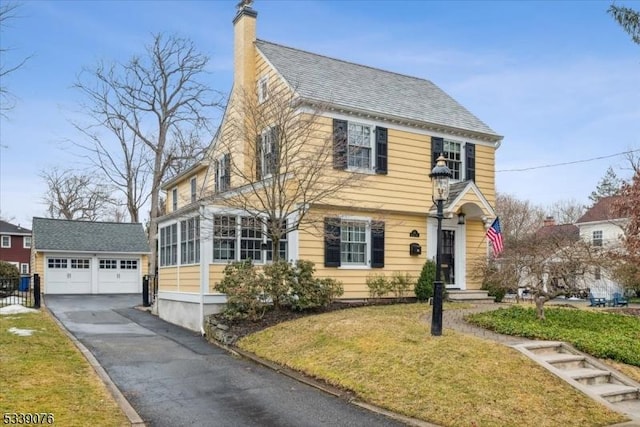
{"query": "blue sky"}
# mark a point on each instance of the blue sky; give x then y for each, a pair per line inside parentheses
(560, 80)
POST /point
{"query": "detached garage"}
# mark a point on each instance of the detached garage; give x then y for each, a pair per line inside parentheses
(82, 257)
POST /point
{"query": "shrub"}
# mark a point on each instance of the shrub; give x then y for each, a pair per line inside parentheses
(308, 292)
(400, 284)
(279, 277)
(378, 285)
(245, 291)
(424, 287)
(496, 291)
(9, 271)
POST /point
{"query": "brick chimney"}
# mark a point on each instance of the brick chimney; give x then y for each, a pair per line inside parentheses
(244, 54)
(549, 221)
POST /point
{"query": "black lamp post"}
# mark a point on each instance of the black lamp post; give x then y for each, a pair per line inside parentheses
(440, 176)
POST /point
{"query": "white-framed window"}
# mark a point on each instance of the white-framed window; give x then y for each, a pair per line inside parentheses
(263, 89)
(354, 238)
(26, 242)
(24, 268)
(223, 173)
(5, 241)
(169, 245)
(250, 239)
(282, 248)
(239, 238)
(268, 152)
(452, 151)
(128, 264)
(108, 264)
(224, 238)
(80, 263)
(360, 146)
(193, 184)
(597, 238)
(174, 199)
(190, 241)
(57, 263)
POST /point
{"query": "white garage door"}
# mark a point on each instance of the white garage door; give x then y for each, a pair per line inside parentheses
(68, 276)
(119, 276)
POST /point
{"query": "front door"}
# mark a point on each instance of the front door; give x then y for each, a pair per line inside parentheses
(448, 256)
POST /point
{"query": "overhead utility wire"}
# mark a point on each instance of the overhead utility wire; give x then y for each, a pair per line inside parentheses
(568, 163)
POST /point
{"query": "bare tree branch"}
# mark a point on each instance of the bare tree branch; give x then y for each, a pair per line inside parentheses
(157, 108)
(75, 196)
(280, 157)
(7, 99)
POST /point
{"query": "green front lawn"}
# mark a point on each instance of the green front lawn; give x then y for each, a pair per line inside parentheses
(46, 374)
(386, 356)
(599, 333)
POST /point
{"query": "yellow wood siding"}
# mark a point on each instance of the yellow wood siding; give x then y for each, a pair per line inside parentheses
(184, 189)
(179, 278)
(485, 172)
(397, 258)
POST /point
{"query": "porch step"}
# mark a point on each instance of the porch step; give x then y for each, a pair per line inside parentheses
(475, 296)
(596, 380)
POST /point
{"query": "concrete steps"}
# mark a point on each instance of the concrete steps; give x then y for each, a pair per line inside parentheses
(587, 374)
(473, 296)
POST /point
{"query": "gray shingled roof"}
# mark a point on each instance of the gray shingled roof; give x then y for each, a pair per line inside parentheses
(363, 88)
(85, 236)
(8, 228)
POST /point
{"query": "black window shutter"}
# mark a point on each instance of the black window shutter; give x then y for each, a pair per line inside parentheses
(275, 149)
(332, 242)
(227, 172)
(217, 166)
(381, 150)
(470, 161)
(339, 144)
(437, 148)
(259, 158)
(377, 244)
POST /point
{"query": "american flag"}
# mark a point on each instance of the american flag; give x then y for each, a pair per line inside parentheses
(494, 234)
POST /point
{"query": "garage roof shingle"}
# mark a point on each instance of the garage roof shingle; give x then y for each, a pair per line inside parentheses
(86, 236)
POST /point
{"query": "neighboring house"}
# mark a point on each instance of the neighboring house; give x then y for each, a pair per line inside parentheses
(15, 246)
(551, 250)
(396, 125)
(602, 228)
(83, 257)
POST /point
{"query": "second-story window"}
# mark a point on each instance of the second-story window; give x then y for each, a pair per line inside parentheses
(452, 151)
(359, 141)
(460, 157)
(268, 152)
(6, 242)
(360, 147)
(193, 189)
(26, 242)
(174, 199)
(223, 173)
(597, 238)
(263, 89)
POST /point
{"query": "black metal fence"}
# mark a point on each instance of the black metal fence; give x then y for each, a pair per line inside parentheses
(23, 291)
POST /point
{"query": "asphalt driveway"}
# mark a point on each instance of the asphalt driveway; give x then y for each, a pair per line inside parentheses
(173, 377)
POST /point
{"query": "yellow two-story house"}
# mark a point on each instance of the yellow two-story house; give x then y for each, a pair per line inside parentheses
(340, 154)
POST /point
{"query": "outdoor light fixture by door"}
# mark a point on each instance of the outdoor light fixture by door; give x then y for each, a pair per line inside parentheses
(440, 176)
(461, 216)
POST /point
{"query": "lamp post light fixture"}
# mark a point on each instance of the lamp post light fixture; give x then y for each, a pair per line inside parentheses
(440, 176)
